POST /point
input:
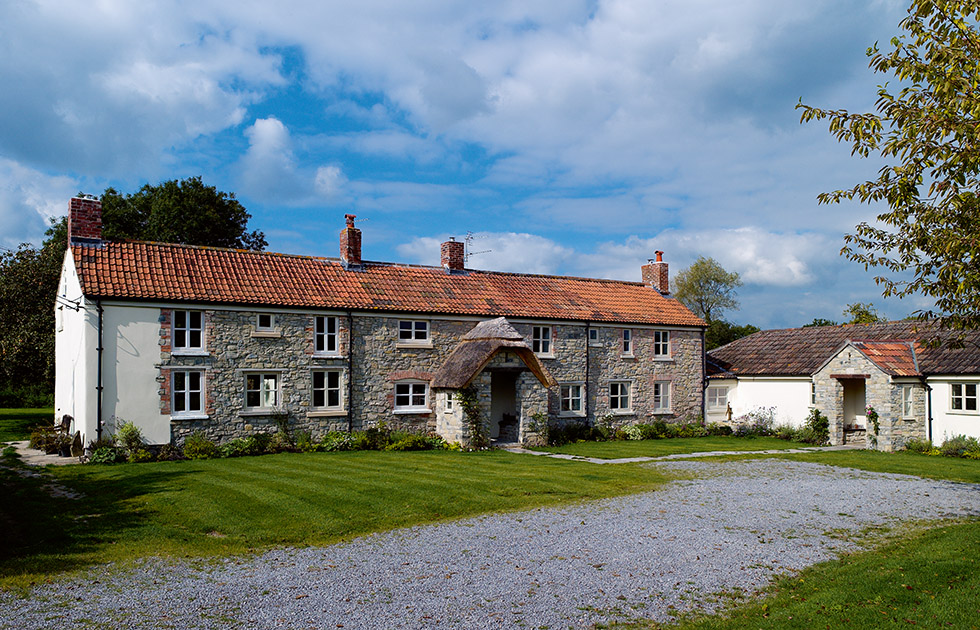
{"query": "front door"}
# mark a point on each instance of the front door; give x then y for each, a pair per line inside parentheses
(503, 405)
(854, 403)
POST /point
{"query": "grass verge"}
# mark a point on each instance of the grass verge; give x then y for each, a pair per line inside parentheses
(902, 463)
(926, 578)
(617, 449)
(231, 506)
(16, 424)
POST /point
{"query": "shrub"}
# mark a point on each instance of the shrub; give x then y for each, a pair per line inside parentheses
(129, 436)
(961, 446)
(718, 429)
(784, 432)
(377, 438)
(916, 445)
(336, 441)
(816, 429)
(241, 447)
(559, 435)
(280, 442)
(45, 438)
(107, 455)
(141, 455)
(198, 446)
(756, 423)
(413, 442)
(305, 443)
(170, 453)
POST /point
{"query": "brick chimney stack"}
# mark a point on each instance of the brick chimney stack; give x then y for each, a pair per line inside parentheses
(84, 219)
(655, 274)
(453, 255)
(350, 243)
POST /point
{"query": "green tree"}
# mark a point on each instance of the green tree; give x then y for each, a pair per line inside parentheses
(721, 332)
(862, 313)
(928, 133)
(820, 321)
(707, 289)
(187, 212)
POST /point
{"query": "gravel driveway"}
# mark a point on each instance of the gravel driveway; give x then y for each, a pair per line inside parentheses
(735, 526)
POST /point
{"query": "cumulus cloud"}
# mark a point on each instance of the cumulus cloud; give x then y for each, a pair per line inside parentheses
(507, 251)
(28, 200)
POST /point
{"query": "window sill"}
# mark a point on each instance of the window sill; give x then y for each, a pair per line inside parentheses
(178, 417)
(571, 414)
(661, 412)
(419, 411)
(188, 352)
(961, 412)
(328, 355)
(664, 359)
(627, 356)
(267, 334)
(406, 345)
(544, 356)
(622, 412)
(326, 413)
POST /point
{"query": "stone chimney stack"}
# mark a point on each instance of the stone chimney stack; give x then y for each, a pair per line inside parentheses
(453, 255)
(350, 243)
(84, 220)
(655, 274)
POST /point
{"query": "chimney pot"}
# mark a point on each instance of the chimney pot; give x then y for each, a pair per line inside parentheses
(655, 274)
(453, 255)
(84, 219)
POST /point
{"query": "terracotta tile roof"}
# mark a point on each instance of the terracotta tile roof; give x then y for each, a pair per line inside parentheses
(895, 358)
(183, 273)
(801, 351)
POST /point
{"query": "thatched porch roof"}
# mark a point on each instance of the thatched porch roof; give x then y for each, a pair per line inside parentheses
(478, 347)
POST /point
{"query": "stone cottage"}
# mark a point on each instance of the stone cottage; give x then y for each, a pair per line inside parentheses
(179, 338)
(916, 388)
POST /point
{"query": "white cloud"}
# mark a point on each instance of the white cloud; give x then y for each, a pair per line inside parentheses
(28, 199)
(507, 251)
(329, 181)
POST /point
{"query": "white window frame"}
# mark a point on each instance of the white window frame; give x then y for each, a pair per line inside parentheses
(661, 397)
(964, 397)
(813, 393)
(184, 394)
(413, 387)
(594, 337)
(907, 400)
(620, 391)
(450, 402)
(263, 390)
(417, 332)
(626, 347)
(186, 332)
(571, 393)
(713, 400)
(325, 389)
(661, 344)
(270, 327)
(543, 341)
(325, 342)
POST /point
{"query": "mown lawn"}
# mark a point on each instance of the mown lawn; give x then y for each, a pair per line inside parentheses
(229, 506)
(655, 448)
(16, 424)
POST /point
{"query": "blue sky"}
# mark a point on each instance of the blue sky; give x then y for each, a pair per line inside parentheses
(570, 137)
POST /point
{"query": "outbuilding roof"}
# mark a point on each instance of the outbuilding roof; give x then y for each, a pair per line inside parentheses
(899, 348)
(190, 274)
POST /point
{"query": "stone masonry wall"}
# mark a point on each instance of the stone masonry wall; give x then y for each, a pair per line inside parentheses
(880, 392)
(233, 348)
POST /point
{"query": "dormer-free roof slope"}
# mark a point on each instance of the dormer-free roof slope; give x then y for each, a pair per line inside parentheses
(899, 348)
(202, 275)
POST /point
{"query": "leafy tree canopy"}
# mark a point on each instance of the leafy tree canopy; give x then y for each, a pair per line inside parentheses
(187, 212)
(927, 130)
(820, 321)
(862, 313)
(707, 289)
(721, 332)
